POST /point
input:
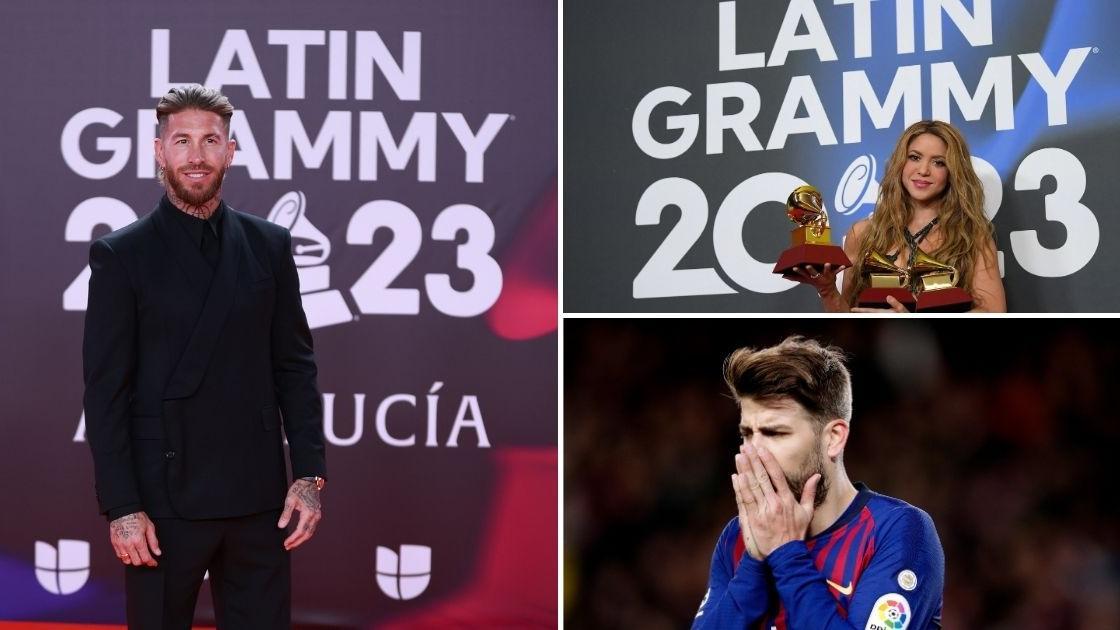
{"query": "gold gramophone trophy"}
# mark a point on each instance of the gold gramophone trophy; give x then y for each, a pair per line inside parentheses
(937, 286)
(884, 279)
(811, 238)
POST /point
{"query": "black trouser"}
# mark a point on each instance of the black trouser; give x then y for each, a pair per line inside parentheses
(250, 574)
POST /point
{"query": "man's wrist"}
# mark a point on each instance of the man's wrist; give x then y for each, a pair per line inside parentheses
(784, 550)
(319, 482)
(124, 510)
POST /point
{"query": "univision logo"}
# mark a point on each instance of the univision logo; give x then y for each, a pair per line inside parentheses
(405, 575)
(64, 570)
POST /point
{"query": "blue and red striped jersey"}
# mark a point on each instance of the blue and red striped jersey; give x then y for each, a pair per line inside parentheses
(878, 567)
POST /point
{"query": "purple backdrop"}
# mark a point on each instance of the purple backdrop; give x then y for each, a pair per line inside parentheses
(411, 149)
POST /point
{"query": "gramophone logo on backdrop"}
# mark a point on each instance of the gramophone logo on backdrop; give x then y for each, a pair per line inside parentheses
(310, 248)
(405, 575)
(62, 570)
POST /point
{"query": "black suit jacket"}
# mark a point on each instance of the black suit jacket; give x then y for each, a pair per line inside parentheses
(190, 371)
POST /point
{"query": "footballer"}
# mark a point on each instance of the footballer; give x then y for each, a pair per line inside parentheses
(809, 549)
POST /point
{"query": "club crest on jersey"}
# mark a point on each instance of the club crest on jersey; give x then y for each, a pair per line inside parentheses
(890, 612)
(907, 580)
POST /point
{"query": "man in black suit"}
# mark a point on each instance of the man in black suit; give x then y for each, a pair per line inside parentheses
(196, 351)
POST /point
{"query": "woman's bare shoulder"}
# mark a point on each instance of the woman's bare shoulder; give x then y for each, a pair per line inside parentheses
(857, 230)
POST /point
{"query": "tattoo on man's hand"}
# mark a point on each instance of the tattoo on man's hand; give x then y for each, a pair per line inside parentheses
(126, 527)
(307, 493)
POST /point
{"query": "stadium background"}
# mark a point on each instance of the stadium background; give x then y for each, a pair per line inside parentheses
(1003, 431)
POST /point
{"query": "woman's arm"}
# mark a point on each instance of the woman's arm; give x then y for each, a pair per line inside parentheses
(824, 280)
(851, 248)
(837, 301)
(987, 286)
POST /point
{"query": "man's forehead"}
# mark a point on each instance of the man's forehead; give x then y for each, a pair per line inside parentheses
(194, 120)
(771, 411)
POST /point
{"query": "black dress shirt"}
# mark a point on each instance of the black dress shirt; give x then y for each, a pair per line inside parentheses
(206, 234)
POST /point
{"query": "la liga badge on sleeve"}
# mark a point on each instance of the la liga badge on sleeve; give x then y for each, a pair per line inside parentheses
(890, 612)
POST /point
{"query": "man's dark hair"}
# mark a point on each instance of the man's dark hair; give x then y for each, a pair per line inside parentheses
(800, 369)
(193, 96)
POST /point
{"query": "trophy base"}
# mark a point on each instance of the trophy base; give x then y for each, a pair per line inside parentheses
(951, 300)
(815, 255)
(877, 298)
(804, 236)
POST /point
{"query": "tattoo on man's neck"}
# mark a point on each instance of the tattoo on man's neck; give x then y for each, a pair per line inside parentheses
(204, 212)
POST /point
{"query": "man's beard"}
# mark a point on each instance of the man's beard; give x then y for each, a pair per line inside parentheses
(180, 185)
(814, 463)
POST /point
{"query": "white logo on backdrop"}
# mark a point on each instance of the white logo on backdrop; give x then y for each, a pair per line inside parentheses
(324, 306)
(414, 417)
(463, 226)
(662, 276)
(376, 291)
(665, 273)
(405, 575)
(62, 570)
(858, 185)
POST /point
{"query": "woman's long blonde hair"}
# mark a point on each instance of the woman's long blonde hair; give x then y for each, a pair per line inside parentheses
(965, 230)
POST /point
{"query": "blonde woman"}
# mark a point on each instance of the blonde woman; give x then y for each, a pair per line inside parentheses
(930, 199)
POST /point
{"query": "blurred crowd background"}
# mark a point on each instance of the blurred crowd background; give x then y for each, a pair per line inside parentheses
(1004, 431)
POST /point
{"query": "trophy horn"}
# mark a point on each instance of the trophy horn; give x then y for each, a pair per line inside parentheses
(937, 272)
(805, 207)
(881, 272)
(811, 239)
(874, 261)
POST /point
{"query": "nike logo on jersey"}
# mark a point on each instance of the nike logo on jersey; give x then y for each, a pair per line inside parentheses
(843, 590)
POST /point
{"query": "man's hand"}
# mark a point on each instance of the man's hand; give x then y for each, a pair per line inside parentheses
(132, 535)
(304, 497)
(738, 482)
(775, 516)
